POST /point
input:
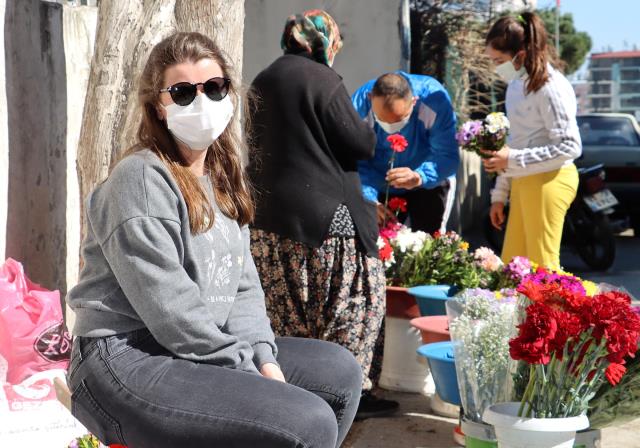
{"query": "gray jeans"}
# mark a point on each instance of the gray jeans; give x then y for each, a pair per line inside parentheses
(127, 389)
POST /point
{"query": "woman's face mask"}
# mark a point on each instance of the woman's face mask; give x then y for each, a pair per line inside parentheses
(201, 122)
(507, 71)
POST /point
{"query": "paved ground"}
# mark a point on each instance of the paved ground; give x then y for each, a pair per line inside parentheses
(415, 427)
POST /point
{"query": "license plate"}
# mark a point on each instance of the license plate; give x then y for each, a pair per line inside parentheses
(601, 200)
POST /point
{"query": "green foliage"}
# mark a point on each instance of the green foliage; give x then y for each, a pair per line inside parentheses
(574, 44)
(444, 260)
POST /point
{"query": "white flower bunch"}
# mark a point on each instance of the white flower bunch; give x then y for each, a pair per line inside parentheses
(481, 324)
(497, 122)
(408, 241)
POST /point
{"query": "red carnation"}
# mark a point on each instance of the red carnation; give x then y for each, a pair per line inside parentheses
(398, 205)
(614, 373)
(398, 142)
(386, 252)
(534, 343)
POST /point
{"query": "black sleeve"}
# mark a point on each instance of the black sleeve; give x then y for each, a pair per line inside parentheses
(346, 132)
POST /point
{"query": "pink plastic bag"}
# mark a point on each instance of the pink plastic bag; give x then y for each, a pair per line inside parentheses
(33, 336)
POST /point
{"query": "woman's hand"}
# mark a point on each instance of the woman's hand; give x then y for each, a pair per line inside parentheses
(271, 370)
(496, 213)
(498, 160)
(403, 178)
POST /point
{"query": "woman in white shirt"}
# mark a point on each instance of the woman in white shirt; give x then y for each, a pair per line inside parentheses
(536, 170)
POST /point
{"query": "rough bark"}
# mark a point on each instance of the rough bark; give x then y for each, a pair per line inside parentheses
(127, 30)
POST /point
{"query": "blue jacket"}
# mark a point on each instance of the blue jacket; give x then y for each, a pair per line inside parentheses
(432, 151)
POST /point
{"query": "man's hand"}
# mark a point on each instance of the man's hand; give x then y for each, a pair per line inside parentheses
(496, 213)
(498, 161)
(271, 370)
(382, 213)
(403, 178)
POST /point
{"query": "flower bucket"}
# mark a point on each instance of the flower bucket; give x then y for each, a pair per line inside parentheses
(431, 299)
(590, 438)
(400, 303)
(443, 369)
(520, 432)
(432, 328)
(442, 408)
(402, 369)
(478, 435)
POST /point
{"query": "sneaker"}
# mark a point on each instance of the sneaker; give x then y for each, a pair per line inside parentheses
(373, 407)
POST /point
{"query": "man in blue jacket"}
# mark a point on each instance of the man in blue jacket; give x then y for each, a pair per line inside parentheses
(417, 107)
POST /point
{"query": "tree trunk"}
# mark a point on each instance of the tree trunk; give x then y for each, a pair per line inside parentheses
(127, 30)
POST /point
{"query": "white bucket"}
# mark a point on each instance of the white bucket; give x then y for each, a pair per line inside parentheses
(403, 369)
(520, 432)
(442, 408)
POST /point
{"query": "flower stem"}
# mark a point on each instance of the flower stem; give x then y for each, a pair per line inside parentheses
(528, 390)
(386, 196)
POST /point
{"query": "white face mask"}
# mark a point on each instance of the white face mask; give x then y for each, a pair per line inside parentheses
(200, 123)
(393, 128)
(508, 72)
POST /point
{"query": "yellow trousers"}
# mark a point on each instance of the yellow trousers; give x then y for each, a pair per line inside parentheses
(538, 205)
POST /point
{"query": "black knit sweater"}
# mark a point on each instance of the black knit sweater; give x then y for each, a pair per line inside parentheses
(308, 139)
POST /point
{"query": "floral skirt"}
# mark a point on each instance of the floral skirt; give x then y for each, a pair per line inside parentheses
(335, 293)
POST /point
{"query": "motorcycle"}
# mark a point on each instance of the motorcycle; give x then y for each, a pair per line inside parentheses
(587, 228)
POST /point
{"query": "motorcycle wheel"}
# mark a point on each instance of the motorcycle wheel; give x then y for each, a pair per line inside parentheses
(595, 242)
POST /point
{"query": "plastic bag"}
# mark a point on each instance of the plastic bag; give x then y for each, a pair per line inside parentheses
(30, 414)
(33, 337)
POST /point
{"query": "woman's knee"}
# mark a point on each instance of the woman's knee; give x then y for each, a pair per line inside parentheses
(315, 422)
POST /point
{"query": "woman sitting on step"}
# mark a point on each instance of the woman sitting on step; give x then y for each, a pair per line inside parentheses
(173, 345)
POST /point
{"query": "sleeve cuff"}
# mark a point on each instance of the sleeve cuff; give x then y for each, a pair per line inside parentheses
(515, 157)
(263, 353)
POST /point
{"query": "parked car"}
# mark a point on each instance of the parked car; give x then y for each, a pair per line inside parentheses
(614, 141)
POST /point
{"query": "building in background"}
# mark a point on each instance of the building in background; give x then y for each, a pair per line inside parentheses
(614, 82)
(581, 89)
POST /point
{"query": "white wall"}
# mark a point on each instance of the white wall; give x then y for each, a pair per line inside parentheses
(79, 29)
(4, 143)
(370, 28)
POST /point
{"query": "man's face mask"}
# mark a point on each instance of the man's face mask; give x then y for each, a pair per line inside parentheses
(393, 128)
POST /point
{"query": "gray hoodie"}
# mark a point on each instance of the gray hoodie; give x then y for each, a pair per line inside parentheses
(199, 295)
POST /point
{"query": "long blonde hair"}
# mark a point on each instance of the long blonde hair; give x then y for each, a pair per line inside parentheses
(222, 163)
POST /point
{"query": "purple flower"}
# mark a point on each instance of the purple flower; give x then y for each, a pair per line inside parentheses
(468, 132)
(518, 268)
(74, 443)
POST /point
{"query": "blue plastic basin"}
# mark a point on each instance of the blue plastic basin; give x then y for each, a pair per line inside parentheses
(443, 369)
(431, 299)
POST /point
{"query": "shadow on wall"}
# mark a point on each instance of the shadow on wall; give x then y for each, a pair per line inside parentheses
(37, 122)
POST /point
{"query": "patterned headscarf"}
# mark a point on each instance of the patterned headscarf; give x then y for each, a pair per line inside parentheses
(313, 32)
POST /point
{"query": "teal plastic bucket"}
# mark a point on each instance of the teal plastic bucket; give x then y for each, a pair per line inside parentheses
(443, 369)
(431, 299)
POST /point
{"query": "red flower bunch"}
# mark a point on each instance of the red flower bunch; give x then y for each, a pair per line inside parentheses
(386, 251)
(398, 142)
(572, 342)
(398, 205)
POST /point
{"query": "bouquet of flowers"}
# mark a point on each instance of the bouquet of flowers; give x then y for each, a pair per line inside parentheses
(442, 259)
(489, 134)
(615, 405)
(396, 244)
(571, 342)
(481, 324)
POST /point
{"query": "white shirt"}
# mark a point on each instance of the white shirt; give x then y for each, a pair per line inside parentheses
(544, 133)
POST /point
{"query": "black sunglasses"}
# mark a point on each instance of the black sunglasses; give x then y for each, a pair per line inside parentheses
(183, 93)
